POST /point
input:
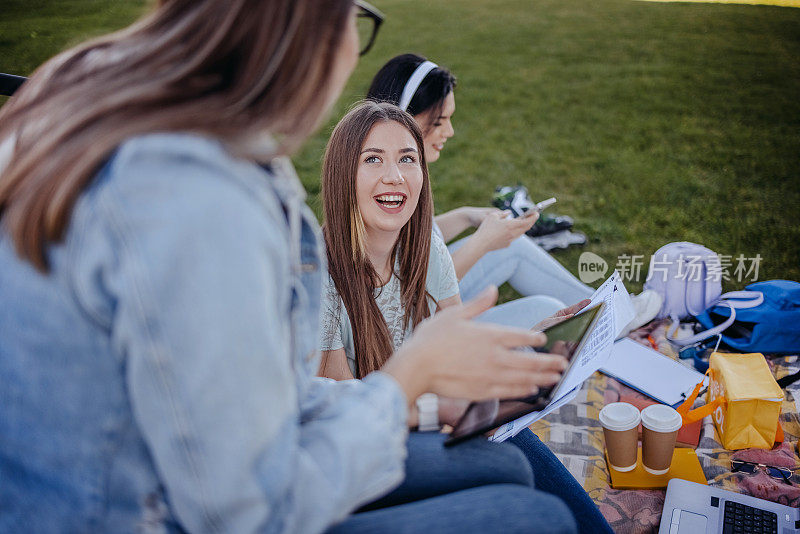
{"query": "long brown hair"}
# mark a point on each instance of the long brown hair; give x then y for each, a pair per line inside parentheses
(230, 69)
(353, 275)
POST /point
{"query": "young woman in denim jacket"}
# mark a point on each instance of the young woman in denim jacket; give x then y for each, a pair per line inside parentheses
(388, 273)
(160, 278)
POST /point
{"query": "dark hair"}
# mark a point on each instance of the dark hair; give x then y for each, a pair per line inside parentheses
(388, 84)
(226, 69)
(352, 273)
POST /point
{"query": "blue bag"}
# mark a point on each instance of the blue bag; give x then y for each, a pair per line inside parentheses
(773, 326)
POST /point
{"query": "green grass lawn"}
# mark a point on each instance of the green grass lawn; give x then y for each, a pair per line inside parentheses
(650, 122)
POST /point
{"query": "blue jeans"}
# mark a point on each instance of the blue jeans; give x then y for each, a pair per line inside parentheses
(476, 486)
(523, 312)
(527, 267)
(553, 478)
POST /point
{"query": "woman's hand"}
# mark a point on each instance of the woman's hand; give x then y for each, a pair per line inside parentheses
(453, 222)
(475, 216)
(561, 315)
(451, 410)
(452, 356)
(498, 229)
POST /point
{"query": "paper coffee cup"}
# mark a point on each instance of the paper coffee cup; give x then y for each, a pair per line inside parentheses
(660, 425)
(620, 422)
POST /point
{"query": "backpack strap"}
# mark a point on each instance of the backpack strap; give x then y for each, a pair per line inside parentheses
(733, 300)
(705, 293)
(744, 299)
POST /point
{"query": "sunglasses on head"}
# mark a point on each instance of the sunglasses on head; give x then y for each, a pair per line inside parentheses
(779, 473)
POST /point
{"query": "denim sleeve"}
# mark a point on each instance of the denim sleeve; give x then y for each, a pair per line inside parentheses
(200, 319)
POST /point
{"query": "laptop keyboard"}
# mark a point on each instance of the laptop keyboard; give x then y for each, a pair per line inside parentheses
(742, 518)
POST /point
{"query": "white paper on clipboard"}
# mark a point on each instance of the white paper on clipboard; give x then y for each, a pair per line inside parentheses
(650, 372)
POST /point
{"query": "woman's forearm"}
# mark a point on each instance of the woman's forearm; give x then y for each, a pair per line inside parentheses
(404, 366)
(453, 222)
(333, 364)
(468, 255)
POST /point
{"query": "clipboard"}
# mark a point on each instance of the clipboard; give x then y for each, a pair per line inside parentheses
(651, 373)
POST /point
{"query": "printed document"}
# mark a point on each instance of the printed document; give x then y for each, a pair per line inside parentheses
(594, 354)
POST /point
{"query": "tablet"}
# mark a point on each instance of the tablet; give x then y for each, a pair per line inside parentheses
(566, 338)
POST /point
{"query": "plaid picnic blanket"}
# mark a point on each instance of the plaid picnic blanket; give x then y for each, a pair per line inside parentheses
(575, 436)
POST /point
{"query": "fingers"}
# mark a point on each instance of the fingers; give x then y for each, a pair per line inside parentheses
(531, 216)
(493, 219)
(527, 362)
(522, 224)
(485, 300)
(544, 324)
(575, 308)
(478, 215)
(506, 374)
(508, 384)
(510, 337)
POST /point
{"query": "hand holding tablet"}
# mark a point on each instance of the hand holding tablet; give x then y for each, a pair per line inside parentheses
(565, 338)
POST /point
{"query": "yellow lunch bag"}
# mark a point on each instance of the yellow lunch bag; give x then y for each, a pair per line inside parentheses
(743, 399)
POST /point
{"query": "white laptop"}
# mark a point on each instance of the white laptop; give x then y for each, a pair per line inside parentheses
(692, 508)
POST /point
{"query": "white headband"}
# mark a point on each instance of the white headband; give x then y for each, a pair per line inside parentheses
(413, 83)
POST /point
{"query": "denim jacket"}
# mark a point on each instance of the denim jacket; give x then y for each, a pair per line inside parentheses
(160, 376)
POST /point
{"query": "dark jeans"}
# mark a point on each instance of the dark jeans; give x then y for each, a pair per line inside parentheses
(476, 486)
(552, 477)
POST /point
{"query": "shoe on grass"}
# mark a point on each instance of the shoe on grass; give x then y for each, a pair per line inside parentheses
(550, 224)
(560, 240)
(513, 198)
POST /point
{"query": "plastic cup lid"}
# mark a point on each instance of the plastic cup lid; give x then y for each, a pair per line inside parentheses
(661, 418)
(619, 416)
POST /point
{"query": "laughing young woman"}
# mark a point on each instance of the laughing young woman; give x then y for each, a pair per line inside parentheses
(387, 275)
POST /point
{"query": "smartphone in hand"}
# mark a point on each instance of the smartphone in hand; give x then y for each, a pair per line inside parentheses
(529, 210)
(539, 206)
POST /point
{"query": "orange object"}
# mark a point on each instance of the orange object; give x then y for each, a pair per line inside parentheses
(652, 342)
(685, 465)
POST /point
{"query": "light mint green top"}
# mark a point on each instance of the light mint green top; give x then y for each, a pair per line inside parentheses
(335, 329)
